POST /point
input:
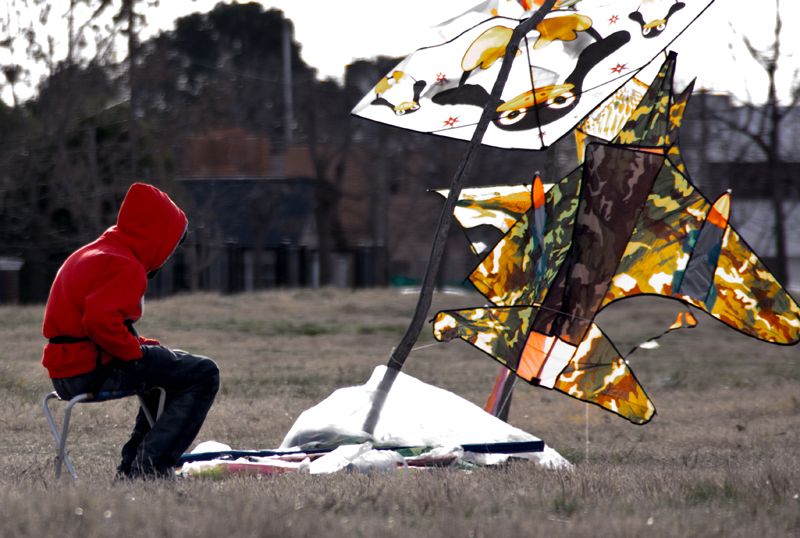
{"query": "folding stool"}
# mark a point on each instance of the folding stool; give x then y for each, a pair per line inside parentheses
(60, 433)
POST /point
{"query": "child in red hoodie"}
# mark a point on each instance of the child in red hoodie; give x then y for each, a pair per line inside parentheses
(94, 301)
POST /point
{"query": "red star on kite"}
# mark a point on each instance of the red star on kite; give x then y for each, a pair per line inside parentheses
(613, 19)
(451, 121)
(619, 68)
(441, 78)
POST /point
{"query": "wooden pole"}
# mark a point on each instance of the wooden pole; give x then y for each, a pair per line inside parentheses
(400, 353)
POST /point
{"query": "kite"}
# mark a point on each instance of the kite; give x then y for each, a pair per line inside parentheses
(611, 116)
(578, 56)
(627, 222)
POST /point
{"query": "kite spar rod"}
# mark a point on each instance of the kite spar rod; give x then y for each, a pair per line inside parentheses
(400, 353)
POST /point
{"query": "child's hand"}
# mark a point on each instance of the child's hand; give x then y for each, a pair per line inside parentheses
(148, 341)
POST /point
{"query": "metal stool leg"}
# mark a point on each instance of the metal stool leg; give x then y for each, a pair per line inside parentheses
(161, 398)
(54, 430)
(60, 435)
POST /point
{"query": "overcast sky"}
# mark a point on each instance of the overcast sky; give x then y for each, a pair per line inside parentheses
(333, 33)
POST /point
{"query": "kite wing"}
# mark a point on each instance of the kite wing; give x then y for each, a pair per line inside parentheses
(574, 60)
(593, 371)
(497, 207)
(683, 245)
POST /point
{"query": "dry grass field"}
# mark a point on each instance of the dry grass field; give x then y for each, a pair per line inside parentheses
(721, 457)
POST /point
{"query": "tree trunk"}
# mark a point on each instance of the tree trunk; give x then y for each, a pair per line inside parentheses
(775, 179)
(133, 131)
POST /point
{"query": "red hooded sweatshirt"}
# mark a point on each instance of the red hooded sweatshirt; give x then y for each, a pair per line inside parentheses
(101, 285)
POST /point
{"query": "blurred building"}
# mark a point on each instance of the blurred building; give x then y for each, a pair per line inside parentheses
(255, 221)
(9, 279)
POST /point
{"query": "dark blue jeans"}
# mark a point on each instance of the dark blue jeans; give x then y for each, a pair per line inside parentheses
(191, 383)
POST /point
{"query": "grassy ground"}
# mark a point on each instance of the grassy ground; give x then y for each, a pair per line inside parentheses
(720, 459)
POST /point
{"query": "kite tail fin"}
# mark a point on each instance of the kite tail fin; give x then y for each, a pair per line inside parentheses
(598, 374)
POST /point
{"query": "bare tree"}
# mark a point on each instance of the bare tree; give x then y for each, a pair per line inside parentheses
(764, 125)
(13, 73)
(60, 164)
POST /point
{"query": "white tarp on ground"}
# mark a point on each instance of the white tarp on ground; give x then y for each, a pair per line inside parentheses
(414, 414)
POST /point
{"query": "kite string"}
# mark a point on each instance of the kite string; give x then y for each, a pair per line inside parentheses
(391, 352)
(654, 338)
(586, 430)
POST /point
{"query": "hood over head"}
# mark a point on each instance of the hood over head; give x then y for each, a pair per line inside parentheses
(151, 224)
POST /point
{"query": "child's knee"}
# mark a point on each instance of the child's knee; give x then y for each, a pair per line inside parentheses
(211, 374)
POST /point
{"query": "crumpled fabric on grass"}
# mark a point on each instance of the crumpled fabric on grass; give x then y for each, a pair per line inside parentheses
(414, 414)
